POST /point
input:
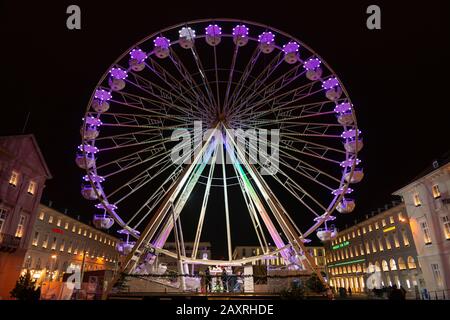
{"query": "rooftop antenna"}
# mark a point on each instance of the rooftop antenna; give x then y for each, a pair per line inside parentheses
(26, 122)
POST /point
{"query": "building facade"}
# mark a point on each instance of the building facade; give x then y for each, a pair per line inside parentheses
(23, 173)
(427, 201)
(377, 252)
(203, 252)
(61, 244)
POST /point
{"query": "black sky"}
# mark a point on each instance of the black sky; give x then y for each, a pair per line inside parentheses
(396, 76)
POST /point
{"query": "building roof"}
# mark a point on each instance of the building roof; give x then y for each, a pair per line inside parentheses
(435, 165)
(32, 139)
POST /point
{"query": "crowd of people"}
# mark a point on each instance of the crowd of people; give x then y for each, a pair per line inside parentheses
(222, 282)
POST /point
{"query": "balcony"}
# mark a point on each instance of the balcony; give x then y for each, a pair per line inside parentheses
(8, 243)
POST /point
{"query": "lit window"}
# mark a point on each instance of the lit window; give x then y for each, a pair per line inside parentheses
(396, 242)
(426, 232)
(364, 230)
(416, 199)
(383, 223)
(50, 219)
(21, 226)
(32, 187)
(66, 225)
(388, 243)
(380, 244)
(14, 178)
(61, 247)
(370, 228)
(377, 225)
(401, 264)
(400, 217)
(74, 228)
(361, 249)
(391, 219)
(69, 250)
(104, 240)
(58, 223)
(436, 192)
(346, 253)
(411, 263)
(90, 235)
(358, 232)
(384, 265)
(405, 238)
(54, 243)
(353, 234)
(393, 265)
(356, 252)
(79, 230)
(446, 222)
(437, 274)
(3, 216)
(374, 248)
(367, 248)
(35, 239)
(85, 233)
(41, 215)
(45, 242)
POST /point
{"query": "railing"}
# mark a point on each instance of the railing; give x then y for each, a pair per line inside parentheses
(436, 295)
(8, 242)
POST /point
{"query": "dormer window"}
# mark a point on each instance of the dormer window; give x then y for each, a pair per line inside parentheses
(14, 178)
(32, 186)
(416, 199)
(436, 191)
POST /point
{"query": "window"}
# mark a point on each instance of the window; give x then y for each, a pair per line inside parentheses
(3, 216)
(388, 243)
(384, 265)
(401, 264)
(383, 223)
(61, 247)
(85, 232)
(416, 200)
(54, 243)
(391, 219)
(50, 219)
(393, 265)
(405, 238)
(446, 222)
(396, 242)
(361, 249)
(41, 215)
(356, 252)
(32, 186)
(69, 250)
(400, 217)
(358, 232)
(90, 235)
(374, 248)
(380, 244)
(74, 228)
(58, 223)
(21, 226)
(35, 239)
(364, 230)
(95, 237)
(66, 225)
(79, 230)
(367, 248)
(426, 232)
(437, 274)
(14, 178)
(436, 191)
(377, 226)
(370, 228)
(45, 242)
(353, 234)
(411, 263)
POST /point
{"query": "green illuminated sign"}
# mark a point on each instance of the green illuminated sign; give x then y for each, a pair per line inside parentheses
(345, 263)
(340, 245)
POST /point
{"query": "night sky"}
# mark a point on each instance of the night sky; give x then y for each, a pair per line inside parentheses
(396, 77)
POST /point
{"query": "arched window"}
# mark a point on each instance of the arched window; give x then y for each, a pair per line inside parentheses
(393, 265)
(370, 268)
(411, 263)
(358, 268)
(353, 268)
(377, 266)
(385, 265)
(401, 264)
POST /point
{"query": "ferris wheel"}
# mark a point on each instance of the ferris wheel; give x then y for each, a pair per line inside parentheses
(186, 90)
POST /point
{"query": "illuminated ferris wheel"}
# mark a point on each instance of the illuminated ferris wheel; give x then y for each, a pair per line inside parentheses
(211, 79)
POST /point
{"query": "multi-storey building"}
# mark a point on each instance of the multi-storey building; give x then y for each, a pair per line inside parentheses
(23, 173)
(427, 200)
(377, 252)
(60, 243)
(203, 252)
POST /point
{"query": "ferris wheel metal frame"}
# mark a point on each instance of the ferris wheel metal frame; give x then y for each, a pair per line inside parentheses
(255, 189)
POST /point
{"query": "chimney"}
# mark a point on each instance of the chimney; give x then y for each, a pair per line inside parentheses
(50, 203)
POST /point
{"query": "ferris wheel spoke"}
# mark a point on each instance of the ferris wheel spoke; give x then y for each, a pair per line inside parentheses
(173, 83)
(160, 93)
(230, 77)
(189, 79)
(259, 80)
(204, 77)
(218, 106)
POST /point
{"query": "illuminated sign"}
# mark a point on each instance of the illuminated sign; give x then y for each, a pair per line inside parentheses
(56, 230)
(340, 245)
(389, 229)
(345, 263)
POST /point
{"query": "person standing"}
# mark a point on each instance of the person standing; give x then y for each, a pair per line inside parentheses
(208, 280)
